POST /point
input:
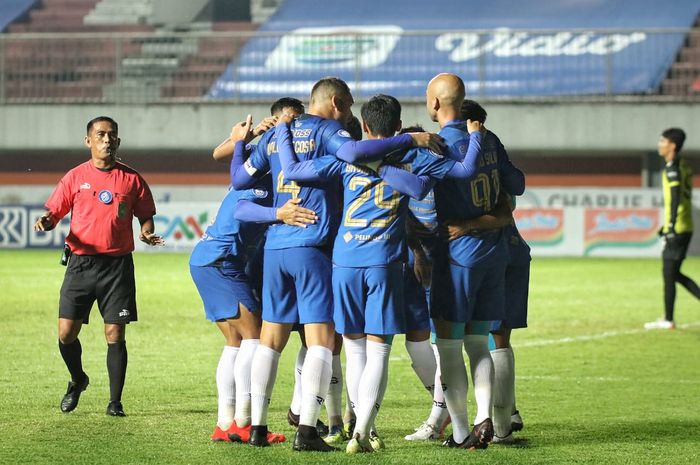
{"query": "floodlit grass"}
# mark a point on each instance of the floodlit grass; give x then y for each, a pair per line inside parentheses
(592, 385)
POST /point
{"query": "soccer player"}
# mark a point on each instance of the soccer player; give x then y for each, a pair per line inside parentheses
(368, 254)
(469, 272)
(677, 230)
(103, 196)
(517, 279)
(223, 269)
(297, 267)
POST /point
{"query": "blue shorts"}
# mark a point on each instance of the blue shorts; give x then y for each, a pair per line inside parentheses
(471, 294)
(516, 295)
(416, 298)
(369, 300)
(222, 287)
(297, 286)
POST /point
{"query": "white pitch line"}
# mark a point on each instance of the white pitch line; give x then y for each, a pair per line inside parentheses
(569, 340)
(593, 337)
(610, 379)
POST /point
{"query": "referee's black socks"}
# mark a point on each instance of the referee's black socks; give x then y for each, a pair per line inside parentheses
(72, 356)
(116, 368)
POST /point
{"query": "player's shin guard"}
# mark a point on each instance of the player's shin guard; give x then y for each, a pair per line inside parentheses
(423, 362)
(503, 390)
(334, 401)
(372, 386)
(226, 386)
(262, 380)
(355, 360)
(455, 382)
(315, 379)
(481, 364)
(241, 372)
(117, 358)
(295, 406)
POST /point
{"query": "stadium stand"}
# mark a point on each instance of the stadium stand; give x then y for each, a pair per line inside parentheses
(684, 76)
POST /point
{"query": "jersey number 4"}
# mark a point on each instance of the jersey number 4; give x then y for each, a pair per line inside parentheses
(289, 188)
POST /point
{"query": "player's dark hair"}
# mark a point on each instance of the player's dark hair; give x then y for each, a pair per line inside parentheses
(414, 128)
(287, 102)
(473, 111)
(354, 128)
(675, 135)
(382, 115)
(329, 86)
(92, 122)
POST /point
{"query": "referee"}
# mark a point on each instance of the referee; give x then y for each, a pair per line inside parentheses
(103, 195)
(678, 222)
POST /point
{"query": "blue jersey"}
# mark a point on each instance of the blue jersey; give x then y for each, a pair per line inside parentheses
(459, 199)
(423, 216)
(312, 137)
(227, 237)
(373, 230)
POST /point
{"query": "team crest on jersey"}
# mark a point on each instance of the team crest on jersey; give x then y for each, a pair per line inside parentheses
(344, 133)
(105, 197)
(85, 185)
(260, 193)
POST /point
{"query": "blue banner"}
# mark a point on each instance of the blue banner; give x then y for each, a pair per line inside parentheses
(500, 48)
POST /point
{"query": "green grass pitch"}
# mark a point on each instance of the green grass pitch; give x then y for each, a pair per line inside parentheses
(592, 385)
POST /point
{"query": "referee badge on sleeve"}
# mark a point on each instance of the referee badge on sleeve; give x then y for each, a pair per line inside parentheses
(105, 197)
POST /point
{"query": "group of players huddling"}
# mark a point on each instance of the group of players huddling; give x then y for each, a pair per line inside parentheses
(364, 239)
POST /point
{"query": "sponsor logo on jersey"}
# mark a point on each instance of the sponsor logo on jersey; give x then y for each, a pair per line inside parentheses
(105, 197)
(85, 185)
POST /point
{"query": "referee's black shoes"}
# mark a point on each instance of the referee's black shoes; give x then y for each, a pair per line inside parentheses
(115, 409)
(72, 396)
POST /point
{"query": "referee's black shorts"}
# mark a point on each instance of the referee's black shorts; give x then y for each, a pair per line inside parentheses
(109, 280)
(677, 247)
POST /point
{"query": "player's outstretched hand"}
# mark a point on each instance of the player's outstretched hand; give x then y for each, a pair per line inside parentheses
(292, 214)
(151, 238)
(265, 125)
(44, 223)
(428, 140)
(473, 126)
(243, 130)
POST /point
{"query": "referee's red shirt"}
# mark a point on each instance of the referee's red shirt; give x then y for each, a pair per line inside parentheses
(102, 206)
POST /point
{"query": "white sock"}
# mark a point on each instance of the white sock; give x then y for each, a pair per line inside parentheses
(262, 380)
(244, 363)
(226, 387)
(481, 364)
(295, 406)
(454, 379)
(423, 362)
(372, 386)
(315, 378)
(503, 390)
(334, 401)
(438, 414)
(355, 360)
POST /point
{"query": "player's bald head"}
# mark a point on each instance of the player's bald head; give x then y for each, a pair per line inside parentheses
(444, 94)
(448, 87)
(326, 88)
